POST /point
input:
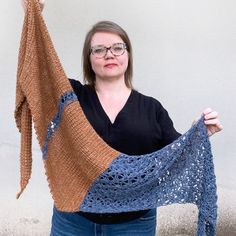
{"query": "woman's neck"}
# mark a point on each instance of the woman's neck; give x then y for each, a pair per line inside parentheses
(109, 88)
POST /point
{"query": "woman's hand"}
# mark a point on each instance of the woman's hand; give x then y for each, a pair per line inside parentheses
(25, 2)
(211, 121)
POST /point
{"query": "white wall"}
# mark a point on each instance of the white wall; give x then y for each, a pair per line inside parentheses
(184, 55)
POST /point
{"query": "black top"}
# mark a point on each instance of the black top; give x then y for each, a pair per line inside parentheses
(141, 127)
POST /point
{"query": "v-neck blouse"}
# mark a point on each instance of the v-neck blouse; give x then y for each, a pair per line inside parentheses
(99, 106)
(142, 126)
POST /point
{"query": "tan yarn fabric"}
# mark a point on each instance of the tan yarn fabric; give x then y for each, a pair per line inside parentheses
(71, 164)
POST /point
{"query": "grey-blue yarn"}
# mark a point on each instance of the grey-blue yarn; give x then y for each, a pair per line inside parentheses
(64, 100)
(182, 172)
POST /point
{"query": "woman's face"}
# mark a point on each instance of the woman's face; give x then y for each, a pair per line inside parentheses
(109, 66)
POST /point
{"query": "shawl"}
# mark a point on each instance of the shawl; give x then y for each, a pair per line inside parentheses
(83, 172)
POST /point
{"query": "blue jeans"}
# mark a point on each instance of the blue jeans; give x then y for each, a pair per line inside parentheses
(72, 224)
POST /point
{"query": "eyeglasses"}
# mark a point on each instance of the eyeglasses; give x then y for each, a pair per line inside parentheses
(100, 51)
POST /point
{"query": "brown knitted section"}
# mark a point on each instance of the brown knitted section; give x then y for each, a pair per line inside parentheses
(76, 155)
(26, 142)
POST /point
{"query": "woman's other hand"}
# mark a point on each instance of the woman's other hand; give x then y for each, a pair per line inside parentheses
(25, 2)
(211, 121)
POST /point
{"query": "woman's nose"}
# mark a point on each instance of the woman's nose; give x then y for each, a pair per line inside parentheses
(109, 54)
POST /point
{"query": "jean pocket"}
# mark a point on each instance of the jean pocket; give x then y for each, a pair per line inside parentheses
(149, 216)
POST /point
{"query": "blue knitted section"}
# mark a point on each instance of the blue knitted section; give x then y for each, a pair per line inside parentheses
(64, 100)
(182, 172)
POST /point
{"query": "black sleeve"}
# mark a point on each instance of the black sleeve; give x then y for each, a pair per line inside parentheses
(169, 133)
(76, 85)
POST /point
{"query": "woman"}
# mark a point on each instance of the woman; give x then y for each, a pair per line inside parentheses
(128, 121)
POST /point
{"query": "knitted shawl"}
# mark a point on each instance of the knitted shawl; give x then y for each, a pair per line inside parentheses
(83, 172)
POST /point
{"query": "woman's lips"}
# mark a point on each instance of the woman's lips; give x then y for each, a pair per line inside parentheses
(110, 65)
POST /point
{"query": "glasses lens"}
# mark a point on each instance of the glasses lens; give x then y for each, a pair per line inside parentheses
(118, 49)
(98, 51)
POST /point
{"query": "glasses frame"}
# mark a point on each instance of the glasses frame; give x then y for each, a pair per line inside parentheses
(108, 48)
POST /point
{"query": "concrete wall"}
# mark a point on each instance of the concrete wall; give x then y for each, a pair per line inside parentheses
(184, 55)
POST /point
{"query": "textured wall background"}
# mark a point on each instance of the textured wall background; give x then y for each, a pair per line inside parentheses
(184, 55)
